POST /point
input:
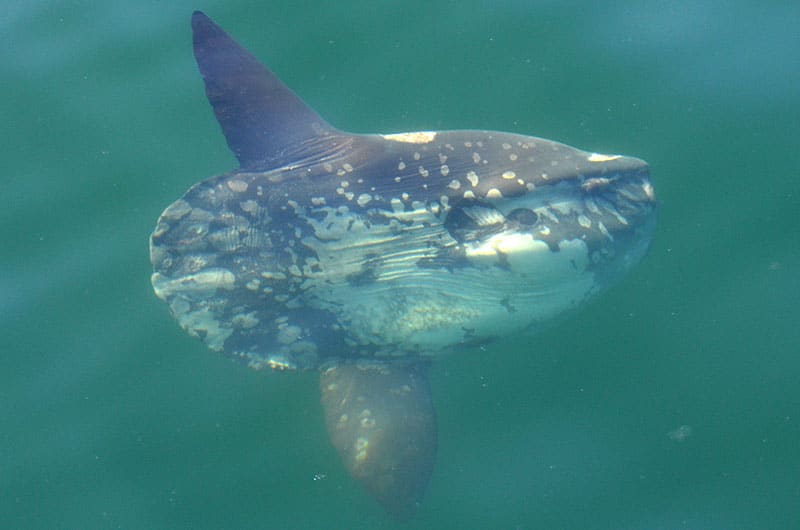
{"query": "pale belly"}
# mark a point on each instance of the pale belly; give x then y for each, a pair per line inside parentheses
(507, 284)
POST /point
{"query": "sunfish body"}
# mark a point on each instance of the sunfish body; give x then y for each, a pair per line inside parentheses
(366, 256)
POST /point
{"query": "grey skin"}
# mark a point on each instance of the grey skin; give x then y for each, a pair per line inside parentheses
(367, 256)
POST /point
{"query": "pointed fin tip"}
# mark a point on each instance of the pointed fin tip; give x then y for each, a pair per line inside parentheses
(201, 23)
(260, 117)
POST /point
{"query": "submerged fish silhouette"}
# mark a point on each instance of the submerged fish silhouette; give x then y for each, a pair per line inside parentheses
(365, 256)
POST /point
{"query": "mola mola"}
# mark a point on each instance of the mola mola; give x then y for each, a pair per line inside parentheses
(365, 256)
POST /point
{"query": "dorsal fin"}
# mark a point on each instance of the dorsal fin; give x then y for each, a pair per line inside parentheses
(260, 117)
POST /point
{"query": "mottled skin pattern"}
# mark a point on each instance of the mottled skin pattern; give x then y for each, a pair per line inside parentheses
(261, 231)
(326, 249)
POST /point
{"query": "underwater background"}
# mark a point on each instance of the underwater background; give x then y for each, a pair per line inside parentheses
(670, 402)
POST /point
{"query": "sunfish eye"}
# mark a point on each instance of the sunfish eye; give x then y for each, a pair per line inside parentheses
(523, 216)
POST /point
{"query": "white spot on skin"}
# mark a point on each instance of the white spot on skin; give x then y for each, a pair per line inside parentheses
(238, 186)
(509, 175)
(494, 193)
(347, 167)
(595, 182)
(506, 146)
(604, 230)
(421, 137)
(364, 199)
(512, 157)
(423, 172)
(476, 157)
(328, 167)
(597, 157)
(648, 191)
(454, 185)
(469, 194)
(401, 166)
(318, 201)
(444, 170)
(404, 196)
(473, 179)
(177, 210)
(361, 449)
(199, 282)
(275, 362)
(341, 172)
(417, 156)
(442, 158)
(287, 334)
(250, 207)
(584, 221)
(245, 320)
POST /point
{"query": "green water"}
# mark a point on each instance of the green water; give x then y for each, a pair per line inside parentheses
(112, 417)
